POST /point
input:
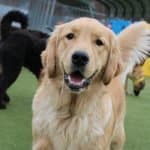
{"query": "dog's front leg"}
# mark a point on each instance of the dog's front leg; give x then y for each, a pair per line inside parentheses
(42, 144)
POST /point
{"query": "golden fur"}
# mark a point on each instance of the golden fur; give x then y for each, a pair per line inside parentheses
(138, 79)
(134, 46)
(92, 119)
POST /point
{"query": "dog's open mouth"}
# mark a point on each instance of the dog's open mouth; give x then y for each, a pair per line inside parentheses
(76, 81)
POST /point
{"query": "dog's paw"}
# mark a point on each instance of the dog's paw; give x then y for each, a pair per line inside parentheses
(42, 144)
(6, 98)
(2, 105)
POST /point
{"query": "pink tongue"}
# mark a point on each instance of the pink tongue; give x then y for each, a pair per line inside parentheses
(76, 78)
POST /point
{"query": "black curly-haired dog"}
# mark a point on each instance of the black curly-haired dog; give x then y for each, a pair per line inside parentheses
(19, 48)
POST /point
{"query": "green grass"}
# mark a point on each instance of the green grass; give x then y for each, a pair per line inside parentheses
(15, 122)
(138, 120)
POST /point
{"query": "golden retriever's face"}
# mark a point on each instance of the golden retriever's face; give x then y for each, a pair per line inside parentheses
(82, 50)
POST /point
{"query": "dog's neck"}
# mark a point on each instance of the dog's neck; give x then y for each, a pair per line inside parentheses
(74, 103)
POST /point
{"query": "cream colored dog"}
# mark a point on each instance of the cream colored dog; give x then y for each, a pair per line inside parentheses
(80, 103)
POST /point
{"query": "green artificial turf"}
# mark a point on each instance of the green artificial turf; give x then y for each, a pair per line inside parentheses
(137, 123)
(15, 122)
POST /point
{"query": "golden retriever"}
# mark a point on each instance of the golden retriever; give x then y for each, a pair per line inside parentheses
(138, 79)
(80, 103)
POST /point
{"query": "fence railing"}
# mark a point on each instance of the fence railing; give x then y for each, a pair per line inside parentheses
(47, 13)
(44, 14)
(7, 5)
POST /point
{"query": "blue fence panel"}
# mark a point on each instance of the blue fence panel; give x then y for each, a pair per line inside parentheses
(117, 25)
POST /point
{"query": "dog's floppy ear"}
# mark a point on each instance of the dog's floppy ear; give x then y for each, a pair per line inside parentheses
(49, 55)
(113, 65)
(44, 57)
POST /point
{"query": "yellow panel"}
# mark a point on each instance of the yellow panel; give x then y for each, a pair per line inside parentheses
(146, 67)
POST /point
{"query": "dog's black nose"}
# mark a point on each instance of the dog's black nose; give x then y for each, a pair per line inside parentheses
(80, 58)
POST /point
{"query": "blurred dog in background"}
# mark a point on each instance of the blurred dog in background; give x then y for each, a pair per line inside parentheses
(138, 80)
(19, 47)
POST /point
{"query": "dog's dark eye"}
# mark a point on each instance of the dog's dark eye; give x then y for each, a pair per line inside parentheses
(70, 36)
(99, 42)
